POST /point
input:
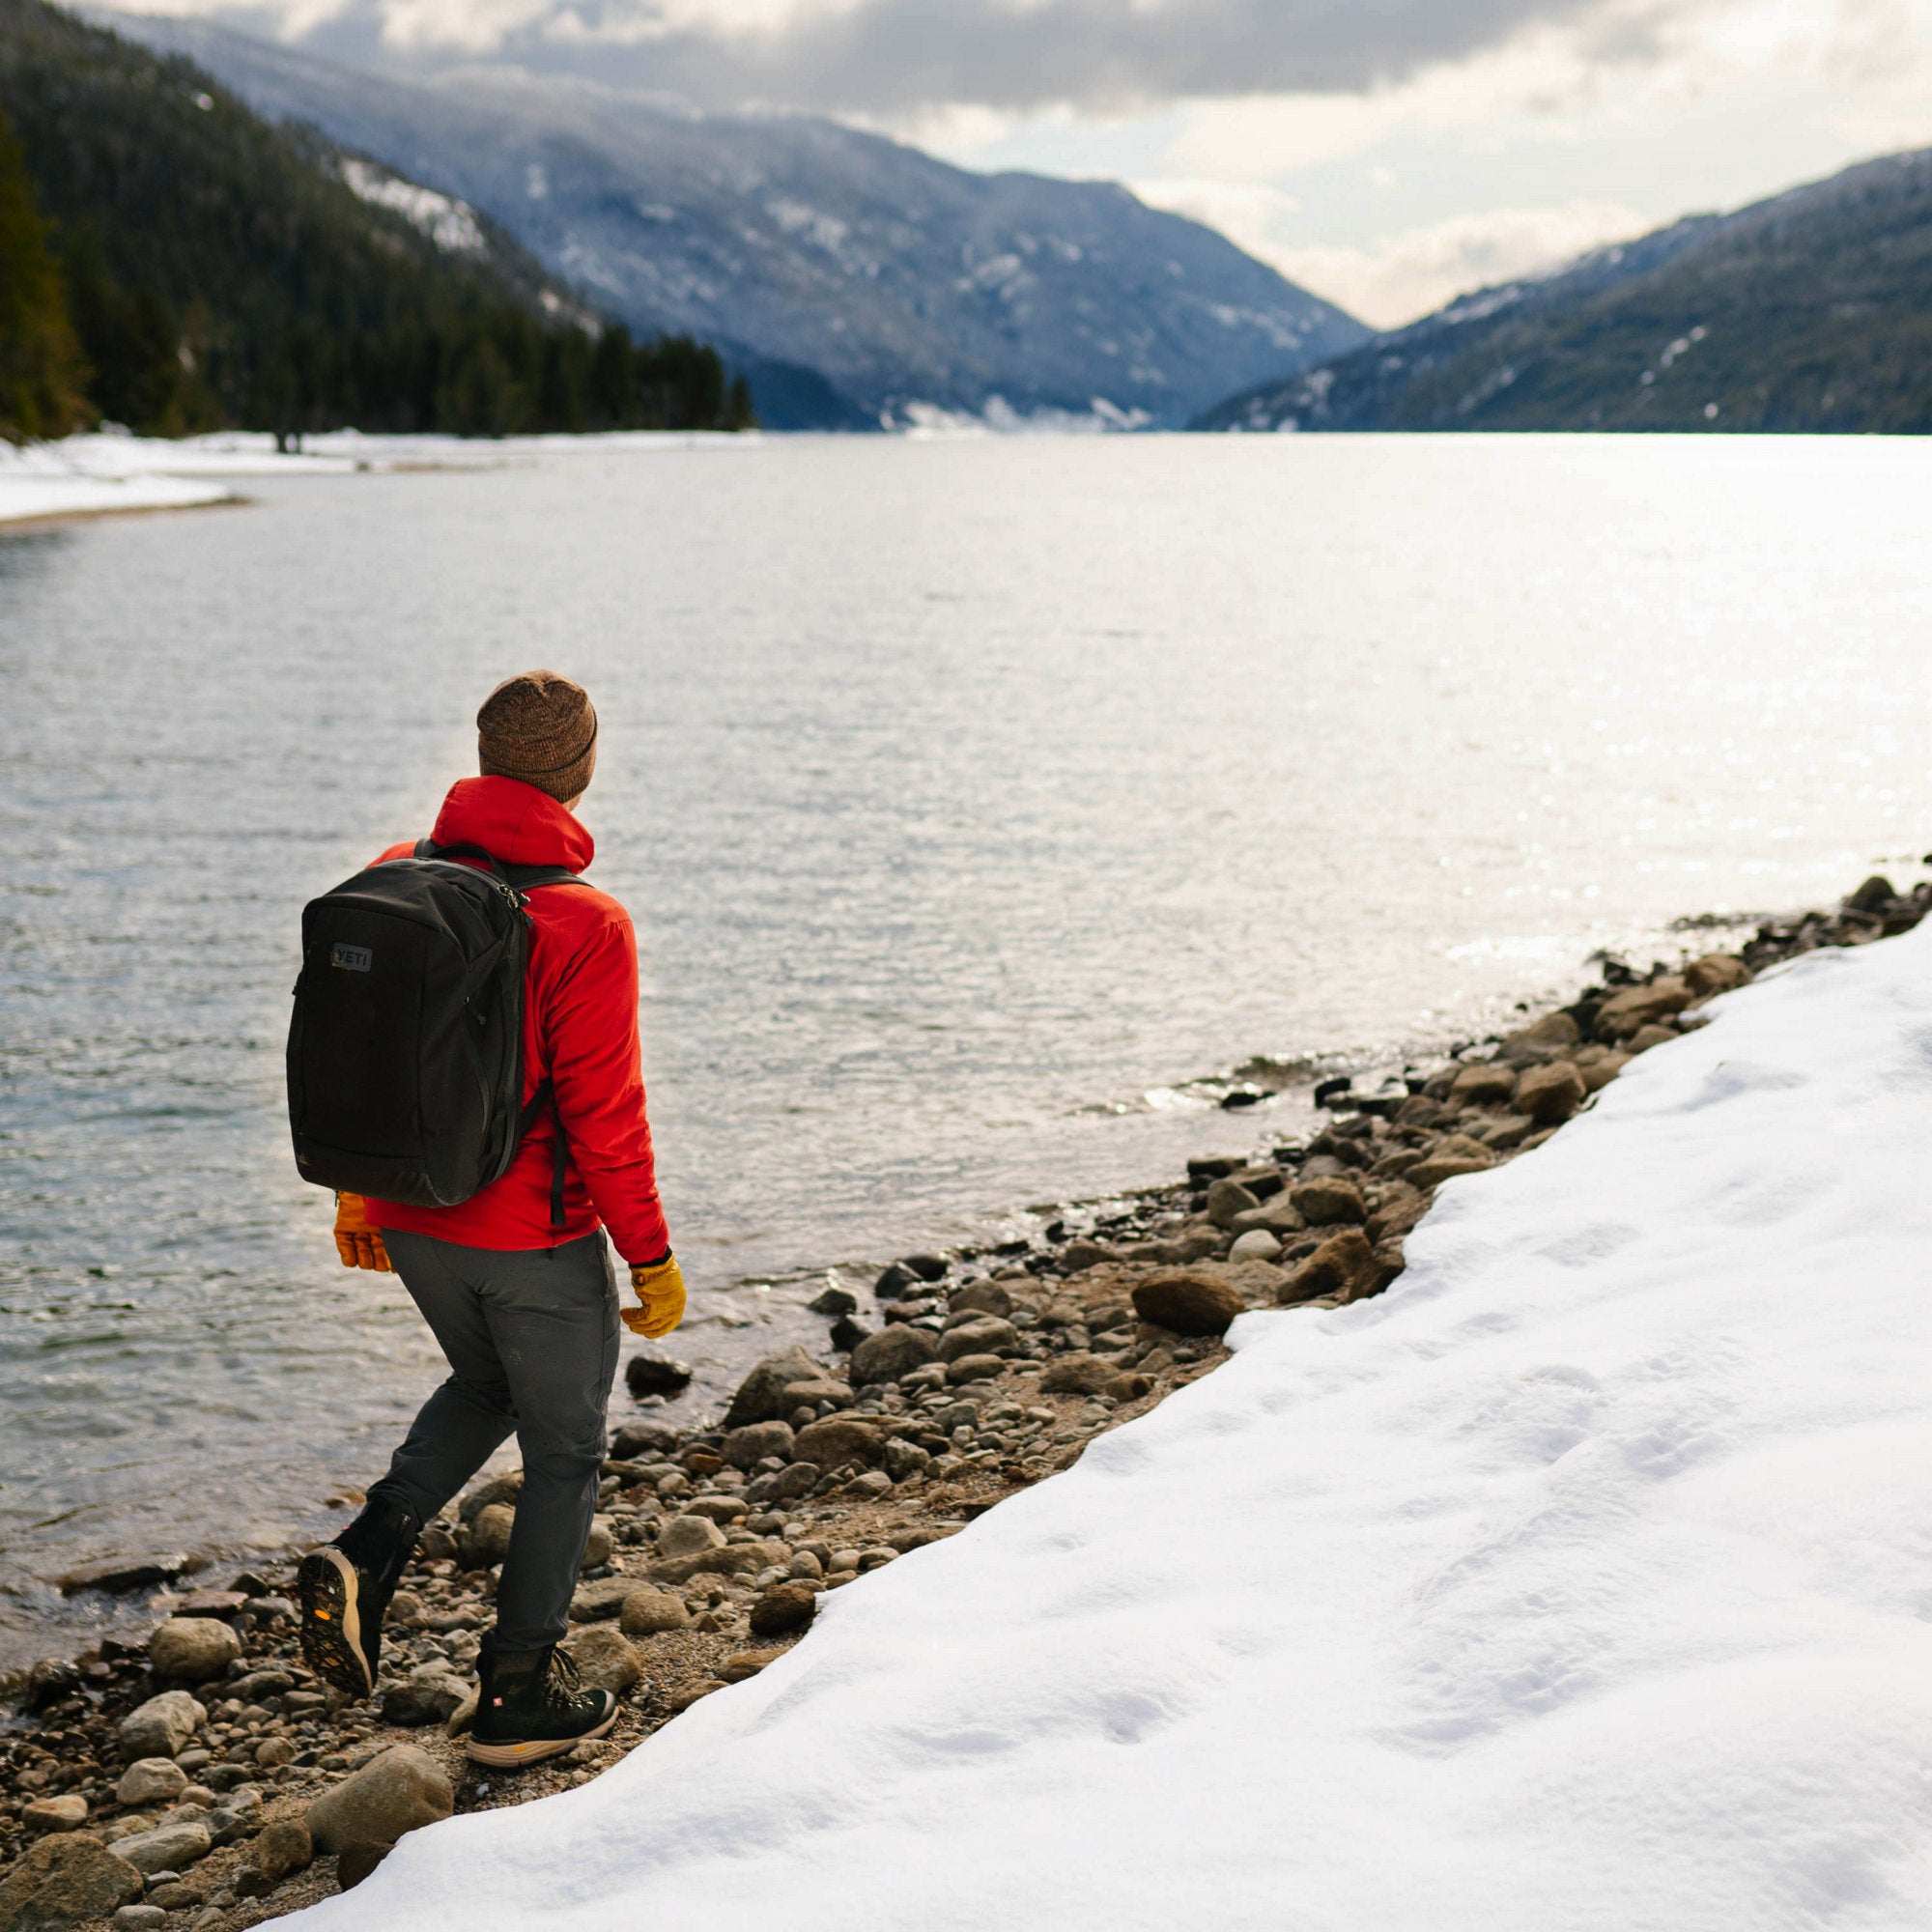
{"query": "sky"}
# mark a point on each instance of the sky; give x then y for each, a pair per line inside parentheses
(1388, 154)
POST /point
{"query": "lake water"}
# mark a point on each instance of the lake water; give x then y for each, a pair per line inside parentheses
(976, 803)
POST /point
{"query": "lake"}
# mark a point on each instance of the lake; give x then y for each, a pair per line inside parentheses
(982, 807)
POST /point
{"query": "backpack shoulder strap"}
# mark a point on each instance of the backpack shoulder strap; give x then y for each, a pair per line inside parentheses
(524, 877)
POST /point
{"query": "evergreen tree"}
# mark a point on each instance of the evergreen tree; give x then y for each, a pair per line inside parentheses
(41, 371)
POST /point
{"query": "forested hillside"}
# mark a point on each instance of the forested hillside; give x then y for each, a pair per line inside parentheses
(1808, 312)
(170, 261)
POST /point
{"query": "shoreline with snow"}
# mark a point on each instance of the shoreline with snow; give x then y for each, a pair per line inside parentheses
(1015, 1369)
(107, 474)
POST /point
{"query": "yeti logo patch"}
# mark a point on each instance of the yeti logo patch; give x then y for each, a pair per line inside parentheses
(352, 958)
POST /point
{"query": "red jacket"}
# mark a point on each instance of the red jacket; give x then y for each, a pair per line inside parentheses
(580, 1027)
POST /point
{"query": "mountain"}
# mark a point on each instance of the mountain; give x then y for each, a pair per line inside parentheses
(1812, 311)
(853, 277)
(219, 271)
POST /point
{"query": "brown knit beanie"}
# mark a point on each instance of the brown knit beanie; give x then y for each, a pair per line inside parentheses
(540, 727)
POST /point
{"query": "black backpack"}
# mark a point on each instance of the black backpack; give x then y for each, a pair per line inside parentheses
(406, 1048)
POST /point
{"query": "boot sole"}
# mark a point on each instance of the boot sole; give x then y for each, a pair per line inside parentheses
(331, 1622)
(535, 1749)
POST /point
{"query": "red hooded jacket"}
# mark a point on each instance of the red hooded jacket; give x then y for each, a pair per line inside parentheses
(580, 1027)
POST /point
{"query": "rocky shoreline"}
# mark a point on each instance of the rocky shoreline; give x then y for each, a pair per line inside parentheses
(203, 1780)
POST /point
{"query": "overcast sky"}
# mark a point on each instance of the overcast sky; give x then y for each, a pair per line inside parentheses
(1386, 154)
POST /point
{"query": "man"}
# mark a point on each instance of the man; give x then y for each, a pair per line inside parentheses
(525, 1309)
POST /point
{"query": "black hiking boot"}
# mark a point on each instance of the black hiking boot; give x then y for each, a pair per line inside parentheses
(532, 1704)
(345, 1590)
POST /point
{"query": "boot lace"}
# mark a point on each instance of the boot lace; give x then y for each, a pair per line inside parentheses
(563, 1682)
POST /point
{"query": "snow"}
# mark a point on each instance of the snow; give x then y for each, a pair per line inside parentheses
(1580, 1583)
(452, 225)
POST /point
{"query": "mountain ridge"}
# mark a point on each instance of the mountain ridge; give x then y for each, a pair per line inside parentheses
(808, 247)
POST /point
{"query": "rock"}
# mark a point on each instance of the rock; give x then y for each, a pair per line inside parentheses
(1130, 1387)
(1484, 1087)
(761, 1394)
(1549, 1094)
(1327, 1199)
(504, 1489)
(1600, 1073)
(599, 1602)
(213, 1603)
(1078, 1374)
(150, 1780)
(64, 1813)
(1278, 1218)
(783, 1608)
(638, 1439)
(161, 1726)
(1336, 1267)
(394, 1793)
(964, 1369)
(258, 1686)
(1256, 1245)
(656, 1374)
(886, 1356)
(795, 1479)
(1647, 1036)
(846, 1334)
(273, 1752)
(893, 1282)
(1227, 1197)
(646, 1612)
(432, 1694)
(285, 1847)
(50, 1680)
(604, 1658)
(1078, 1256)
(1400, 1213)
(735, 1559)
(905, 1460)
(140, 1918)
(1188, 1301)
(723, 1511)
(166, 1848)
(820, 1389)
(688, 1535)
(1716, 972)
(126, 1574)
(870, 1486)
(979, 1335)
(190, 1650)
(1634, 1007)
(1453, 1155)
(747, 1447)
(927, 1268)
(358, 1861)
(1874, 896)
(834, 1301)
(981, 1297)
(1554, 1033)
(488, 1538)
(839, 1439)
(61, 1881)
(600, 1546)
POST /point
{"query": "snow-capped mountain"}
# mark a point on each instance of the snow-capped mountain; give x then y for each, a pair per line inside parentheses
(854, 277)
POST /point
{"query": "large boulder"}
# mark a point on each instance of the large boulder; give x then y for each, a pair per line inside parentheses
(398, 1791)
(891, 1354)
(604, 1658)
(62, 1881)
(1550, 1095)
(839, 1439)
(191, 1650)
(760, 1396)
(163, 1725)
(646, 1612)
(747, 1447)
(979, 1335)
(1188, 1301)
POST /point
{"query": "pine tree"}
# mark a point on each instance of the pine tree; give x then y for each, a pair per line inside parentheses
(41, 370)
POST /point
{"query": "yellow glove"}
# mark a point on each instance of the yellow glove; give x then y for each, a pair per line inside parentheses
(359, 1245)
(660, 1287)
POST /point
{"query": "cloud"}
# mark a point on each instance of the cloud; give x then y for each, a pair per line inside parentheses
(896, 56)
(1395, 278)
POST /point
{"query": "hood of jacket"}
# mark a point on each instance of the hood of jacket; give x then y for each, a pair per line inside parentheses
(513, 822)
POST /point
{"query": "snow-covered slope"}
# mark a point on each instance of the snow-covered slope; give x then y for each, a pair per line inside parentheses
(1581, 1583)
(806, 247)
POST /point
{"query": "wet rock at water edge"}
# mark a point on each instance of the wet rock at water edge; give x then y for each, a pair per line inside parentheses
(783, 1608)
(394, 1793)
(886, 1356)
(846, 1334)
(834, 1301)
(1188, 1301)
(62, 1881)
(191, 1650)
(50, 1680)
(656, 1374)
(126, 1574)
(760, 1396)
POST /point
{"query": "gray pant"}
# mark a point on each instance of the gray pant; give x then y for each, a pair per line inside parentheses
(532, 1338)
